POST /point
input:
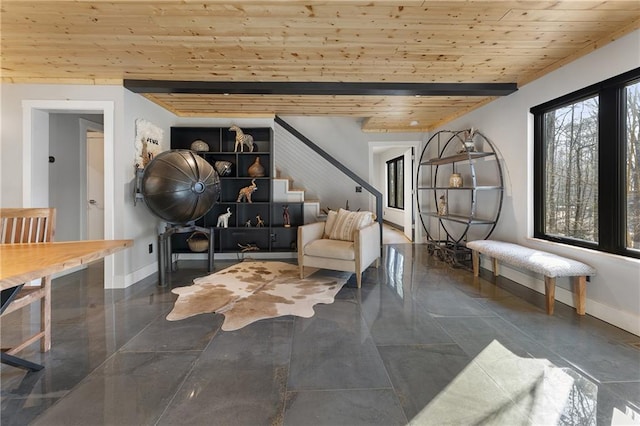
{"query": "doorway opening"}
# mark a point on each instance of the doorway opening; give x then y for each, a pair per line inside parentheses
(41, 121)
(379, 152)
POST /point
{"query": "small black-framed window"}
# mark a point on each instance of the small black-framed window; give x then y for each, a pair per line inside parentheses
(395, 183)
(587, 167)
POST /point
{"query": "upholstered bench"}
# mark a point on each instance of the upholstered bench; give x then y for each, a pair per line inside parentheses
(547, 264)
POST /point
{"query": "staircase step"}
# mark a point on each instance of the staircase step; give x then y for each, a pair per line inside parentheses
(283, 193)
(312, 212)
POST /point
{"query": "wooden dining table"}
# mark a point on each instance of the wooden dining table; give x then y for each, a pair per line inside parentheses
(22, 263)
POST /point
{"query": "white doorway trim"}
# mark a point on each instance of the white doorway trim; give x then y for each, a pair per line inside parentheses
(376, 147)
(34, 141)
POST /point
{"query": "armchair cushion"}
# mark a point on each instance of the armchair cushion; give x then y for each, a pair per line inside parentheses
(347, 222)
(332, 249)
(328, 225)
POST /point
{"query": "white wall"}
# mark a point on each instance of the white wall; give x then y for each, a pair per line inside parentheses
(139, 223)
(134, 263)
(342, 138)
(613, 295)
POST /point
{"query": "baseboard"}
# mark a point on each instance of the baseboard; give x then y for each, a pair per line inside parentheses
(393, 225)
(621, 319)
(140, 274)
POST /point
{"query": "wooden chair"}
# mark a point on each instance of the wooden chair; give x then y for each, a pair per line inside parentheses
(30, 225)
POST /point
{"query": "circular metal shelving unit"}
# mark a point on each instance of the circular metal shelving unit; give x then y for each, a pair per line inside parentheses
(473, 209)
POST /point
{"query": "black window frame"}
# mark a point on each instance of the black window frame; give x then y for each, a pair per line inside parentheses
(394, 163)
(611, 164)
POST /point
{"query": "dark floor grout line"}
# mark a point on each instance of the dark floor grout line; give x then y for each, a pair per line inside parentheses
(160, 351)
(416, 345)
(186, 376)
(283, 413)
(341, 390)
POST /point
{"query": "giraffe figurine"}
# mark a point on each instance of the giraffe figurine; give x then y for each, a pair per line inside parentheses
(241, 139)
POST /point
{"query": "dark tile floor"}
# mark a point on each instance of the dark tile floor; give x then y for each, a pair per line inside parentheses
(377, 355)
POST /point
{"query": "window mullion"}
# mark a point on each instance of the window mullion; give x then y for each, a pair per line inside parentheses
(611, 217)
(538, 178)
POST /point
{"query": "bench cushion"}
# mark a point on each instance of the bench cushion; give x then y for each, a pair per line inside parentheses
(548, 264)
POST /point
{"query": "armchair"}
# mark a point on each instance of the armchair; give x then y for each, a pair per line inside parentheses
(347, 241)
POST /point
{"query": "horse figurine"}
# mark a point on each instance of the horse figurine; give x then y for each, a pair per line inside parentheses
(245, 193)
(223, 219)
(241, 139)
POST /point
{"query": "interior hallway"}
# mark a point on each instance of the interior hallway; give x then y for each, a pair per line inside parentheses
(391, 235)
(377, 355)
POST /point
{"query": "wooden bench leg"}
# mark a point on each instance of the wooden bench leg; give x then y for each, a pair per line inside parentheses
(580, 290)
(496, 271)
(475, 259)
(550, 293)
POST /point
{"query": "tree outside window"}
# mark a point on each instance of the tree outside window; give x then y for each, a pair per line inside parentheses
(587, 167)
(571, 170)
(633, 165)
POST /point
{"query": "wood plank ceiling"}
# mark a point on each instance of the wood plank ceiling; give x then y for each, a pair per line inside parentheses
(486, 42)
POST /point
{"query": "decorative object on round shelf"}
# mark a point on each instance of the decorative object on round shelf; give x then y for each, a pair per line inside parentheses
(469, 144)
(442, 206)
(455, 180)
(179, 186)
(286, 218)
(198, 242)
(223, 168)
(256, 169)
(199, 146)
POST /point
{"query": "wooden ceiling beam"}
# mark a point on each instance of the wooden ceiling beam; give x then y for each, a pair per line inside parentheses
(321, 88)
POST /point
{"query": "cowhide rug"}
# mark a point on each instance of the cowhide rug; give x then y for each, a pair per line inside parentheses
(255, 290)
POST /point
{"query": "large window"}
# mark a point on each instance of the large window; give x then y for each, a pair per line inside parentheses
(587, 167)
(395, 183)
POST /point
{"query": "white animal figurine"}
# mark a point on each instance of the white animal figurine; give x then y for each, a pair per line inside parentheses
(245, 193)
(223, 219)
(241, 139)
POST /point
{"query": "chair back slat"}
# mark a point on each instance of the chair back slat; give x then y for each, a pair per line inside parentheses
(31, 225)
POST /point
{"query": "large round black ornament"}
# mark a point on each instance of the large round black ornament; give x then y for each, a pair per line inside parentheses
(179, 186)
